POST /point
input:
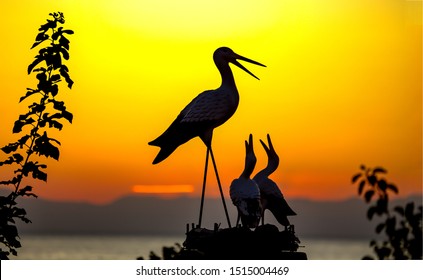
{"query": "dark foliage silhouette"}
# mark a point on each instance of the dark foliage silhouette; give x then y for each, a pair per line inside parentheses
(402, 225)
(168, 253)
(45, 112)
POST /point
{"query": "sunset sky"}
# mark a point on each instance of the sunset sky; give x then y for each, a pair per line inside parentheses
(342, 87)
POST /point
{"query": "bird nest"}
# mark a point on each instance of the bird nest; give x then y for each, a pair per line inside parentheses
(265, 242)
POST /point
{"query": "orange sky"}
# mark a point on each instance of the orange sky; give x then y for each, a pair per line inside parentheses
(342, 87)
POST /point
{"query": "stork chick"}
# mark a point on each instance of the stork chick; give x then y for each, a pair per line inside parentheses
(245, 193)
(270, 194)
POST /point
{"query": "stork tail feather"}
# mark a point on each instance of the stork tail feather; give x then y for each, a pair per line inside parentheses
(163, 153)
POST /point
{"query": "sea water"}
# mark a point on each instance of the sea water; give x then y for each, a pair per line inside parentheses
(99, 247)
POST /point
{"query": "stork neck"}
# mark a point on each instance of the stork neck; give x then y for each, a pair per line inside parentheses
(250, 163)
(227, 76)
(269, 169)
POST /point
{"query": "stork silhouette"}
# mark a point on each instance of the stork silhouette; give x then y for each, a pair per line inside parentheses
(203, 114)
(270, 194)
(245, 193)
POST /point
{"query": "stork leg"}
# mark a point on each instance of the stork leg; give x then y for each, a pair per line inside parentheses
(220, 188)
(204, 187)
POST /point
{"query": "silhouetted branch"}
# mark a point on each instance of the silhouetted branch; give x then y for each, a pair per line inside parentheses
(402, 226)
(46, 113)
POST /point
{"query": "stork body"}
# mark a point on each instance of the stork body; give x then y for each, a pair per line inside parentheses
(205, 112)
(245, 193)
(270, 194)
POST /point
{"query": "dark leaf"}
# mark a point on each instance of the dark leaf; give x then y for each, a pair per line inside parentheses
(382, 206)
(55, 77)
(368, 195)
(24, 116)
(48, 25)
(361, 187)
(36, 44)
(68, 31)
(372, 179)
(56, 35)
(64, 42)
(399, 210)
(44, 147)
(402, 233)
(20, 124)
(37, 108)
(64, 53)
(390, 225)
(23, 140)
(55, 124)
(371, 212)
(382, 185)
(60, 18)
(41, 69)
(56, 61)
(37, 60)
(58, 105)
(54, 89)
(18, 158)
(34, 168)
(10, 160)
(64, 72)
(68, 116)
(10, 148)
(379, 170)
(393, 188)
(11, 232)
(40, 175)
(355, 177)
(45, 117)
(28, 94)
(27, 191)
(380, 227)
(42, 123)
(19, 211)
(4, 255)
(17, 127)
(409, 210)
(42, 77)
(64, 68)
(56, 116)
(383, 252)
(69, 81)
(41, 37)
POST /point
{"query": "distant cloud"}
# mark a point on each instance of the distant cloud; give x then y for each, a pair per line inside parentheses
(163, 189)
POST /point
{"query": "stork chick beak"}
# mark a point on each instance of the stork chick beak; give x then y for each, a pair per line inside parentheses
(237, 56)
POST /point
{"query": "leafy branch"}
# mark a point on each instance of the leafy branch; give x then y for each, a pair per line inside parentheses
(402, 226)
(45, 114)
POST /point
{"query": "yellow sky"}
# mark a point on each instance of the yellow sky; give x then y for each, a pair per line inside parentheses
(342, 87)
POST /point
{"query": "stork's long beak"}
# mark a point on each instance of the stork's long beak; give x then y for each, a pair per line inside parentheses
(237, 56)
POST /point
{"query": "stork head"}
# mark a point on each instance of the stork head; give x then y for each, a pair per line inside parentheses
(273, 159)
(250, 158)
(226, 55)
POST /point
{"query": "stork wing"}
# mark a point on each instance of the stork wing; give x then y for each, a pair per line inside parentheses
(208, 106)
